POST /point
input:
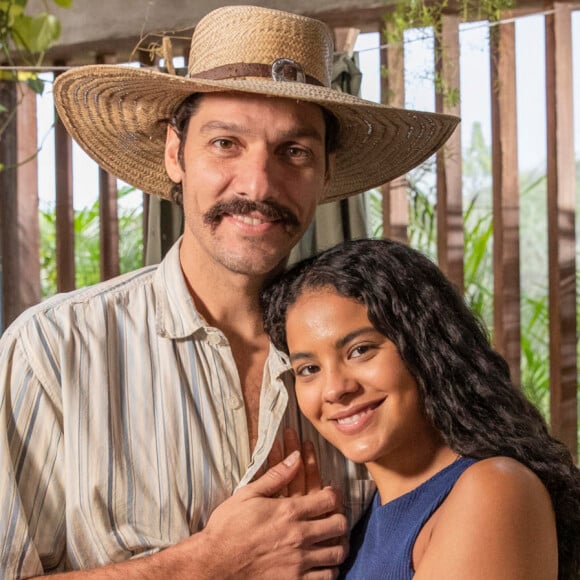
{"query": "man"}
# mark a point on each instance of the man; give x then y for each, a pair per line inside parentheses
(132, 411)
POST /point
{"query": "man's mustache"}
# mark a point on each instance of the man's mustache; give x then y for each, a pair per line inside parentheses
(240, 206)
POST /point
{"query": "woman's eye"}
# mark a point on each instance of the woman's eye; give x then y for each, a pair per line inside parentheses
(306, 370)
(360, 350)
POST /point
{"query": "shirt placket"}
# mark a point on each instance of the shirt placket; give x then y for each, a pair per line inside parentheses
(227, 393)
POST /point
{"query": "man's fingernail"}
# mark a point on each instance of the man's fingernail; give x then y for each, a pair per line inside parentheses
(292, 458)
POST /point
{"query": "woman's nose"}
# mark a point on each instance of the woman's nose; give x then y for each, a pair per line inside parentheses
(338, 385)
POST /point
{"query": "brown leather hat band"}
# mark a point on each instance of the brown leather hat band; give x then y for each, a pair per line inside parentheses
(282, 70)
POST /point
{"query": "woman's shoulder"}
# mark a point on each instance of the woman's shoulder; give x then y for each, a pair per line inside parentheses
(499, 483)
(497, 519)
(499, 476)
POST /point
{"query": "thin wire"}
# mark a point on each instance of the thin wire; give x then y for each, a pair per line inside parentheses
(380, 47)
(468, 26)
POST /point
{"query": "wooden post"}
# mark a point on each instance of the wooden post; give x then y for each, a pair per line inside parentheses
(395, 199)
(65, 235)
(109, 221)
(450, 238)
(506, 206)
(20, 231)
(561, 226)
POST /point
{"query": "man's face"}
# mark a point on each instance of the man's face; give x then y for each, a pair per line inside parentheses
(252, 172)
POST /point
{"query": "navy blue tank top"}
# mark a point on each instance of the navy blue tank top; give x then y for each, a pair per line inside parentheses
(381, 544)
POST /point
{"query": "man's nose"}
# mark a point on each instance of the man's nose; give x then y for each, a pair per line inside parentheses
(256, 176)
(339, 384)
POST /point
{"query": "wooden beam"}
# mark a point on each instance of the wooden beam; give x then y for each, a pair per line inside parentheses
(506, 204)
(65, 234)
(395, 198)
(108, 211)
(20, 231)
(345, 39)
(561, 226)
(450, 244)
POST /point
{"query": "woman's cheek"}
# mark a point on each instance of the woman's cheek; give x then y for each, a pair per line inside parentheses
(308, 401)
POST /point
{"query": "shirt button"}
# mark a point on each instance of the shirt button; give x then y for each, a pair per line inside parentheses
(214, 338)
(235, 403)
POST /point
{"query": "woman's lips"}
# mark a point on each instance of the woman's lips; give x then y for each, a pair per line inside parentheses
(354, 420)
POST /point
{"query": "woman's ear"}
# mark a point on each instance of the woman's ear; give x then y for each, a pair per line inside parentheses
(173, 164)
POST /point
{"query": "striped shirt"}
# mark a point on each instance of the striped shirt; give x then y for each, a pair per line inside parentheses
(122, 425)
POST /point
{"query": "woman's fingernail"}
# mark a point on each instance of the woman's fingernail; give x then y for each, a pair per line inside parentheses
(292, 458)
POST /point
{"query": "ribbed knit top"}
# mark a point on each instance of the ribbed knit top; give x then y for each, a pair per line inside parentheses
(382, 542)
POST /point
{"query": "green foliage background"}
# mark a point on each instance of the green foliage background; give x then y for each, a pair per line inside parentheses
(87, 249)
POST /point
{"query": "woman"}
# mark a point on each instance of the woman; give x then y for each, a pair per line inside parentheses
(393, 369)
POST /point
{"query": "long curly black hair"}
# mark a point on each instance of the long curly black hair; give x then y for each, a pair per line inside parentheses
(464, 384)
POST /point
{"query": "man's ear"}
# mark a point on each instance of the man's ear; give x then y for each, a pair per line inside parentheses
(172, 162)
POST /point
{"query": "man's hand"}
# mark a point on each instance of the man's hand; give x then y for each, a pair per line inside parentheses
(257, 534)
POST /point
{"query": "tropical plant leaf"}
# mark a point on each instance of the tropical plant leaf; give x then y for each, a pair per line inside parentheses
(63, 3)
(36, 33)
(11, 10)
(36, 84)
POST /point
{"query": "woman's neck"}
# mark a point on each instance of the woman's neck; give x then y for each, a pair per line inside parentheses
(397, 476)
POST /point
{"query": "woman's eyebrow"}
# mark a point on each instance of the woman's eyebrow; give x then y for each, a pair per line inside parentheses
(299, 355)
(340, 343)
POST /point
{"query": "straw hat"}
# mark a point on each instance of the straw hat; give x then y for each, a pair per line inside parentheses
(114, 112)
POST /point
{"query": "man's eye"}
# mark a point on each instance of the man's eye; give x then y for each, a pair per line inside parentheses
(223, 143)
(298, 153)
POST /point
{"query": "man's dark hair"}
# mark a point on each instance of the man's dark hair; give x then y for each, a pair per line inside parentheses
(187, 109)
(463, 383)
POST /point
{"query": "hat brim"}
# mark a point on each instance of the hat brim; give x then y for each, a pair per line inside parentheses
(116, 114)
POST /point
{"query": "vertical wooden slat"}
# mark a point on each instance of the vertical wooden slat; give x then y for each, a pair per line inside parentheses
(561, 226)
(395, 199)
(19, 200)
(450, 250)
(506, 254)
(109, 222)
(65, 235)
(144, 58)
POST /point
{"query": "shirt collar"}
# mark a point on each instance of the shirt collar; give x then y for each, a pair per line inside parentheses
(176, 315)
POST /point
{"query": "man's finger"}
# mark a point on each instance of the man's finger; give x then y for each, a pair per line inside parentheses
(329, 531)
(326, 556)
(276, 455)
(312, 480)
(275, 479)
(291, 443)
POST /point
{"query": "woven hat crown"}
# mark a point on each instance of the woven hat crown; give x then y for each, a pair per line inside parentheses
(233, 35)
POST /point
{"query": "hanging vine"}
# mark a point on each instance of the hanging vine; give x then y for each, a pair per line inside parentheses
(409, 14)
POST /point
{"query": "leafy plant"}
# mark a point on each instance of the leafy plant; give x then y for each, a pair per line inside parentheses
(24, 38)
(426, 14)
(87, 246)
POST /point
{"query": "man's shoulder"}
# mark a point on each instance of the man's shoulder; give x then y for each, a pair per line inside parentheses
(63, 305)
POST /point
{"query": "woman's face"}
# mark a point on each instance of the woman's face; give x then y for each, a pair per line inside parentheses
(351, 382)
